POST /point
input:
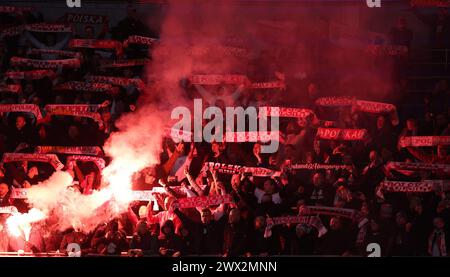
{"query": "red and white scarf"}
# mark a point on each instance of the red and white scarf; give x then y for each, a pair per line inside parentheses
(387, 50)
(86, 86)
(123, 63)
(252, 136)
(203, 201)
(33, 157)
(285, 112)
(139, 40)
(430, 3)
(313, 221)
(236, 169)
(99, 162)
(417, 187)
(360, 105)
(97, 44)
(341, 134)
(331, 211)
(31, 74)
(62, 53)
(418, 166)
(29, 108)
(279, 84)
(90, 111)
(49, 28)
(416, 141)
(48, 64)
(77, 150)
(316, 166)
(333, 101)
(85, 18)
(118, 81)
(233, 79)
(12, 31)
(12, 9)
(8, 210)
(13, 88)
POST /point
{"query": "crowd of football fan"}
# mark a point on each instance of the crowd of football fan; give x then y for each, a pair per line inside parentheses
(401, 223)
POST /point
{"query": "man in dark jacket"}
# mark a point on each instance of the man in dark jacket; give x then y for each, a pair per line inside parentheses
(22, 136)
(207, 234)
(235, 235)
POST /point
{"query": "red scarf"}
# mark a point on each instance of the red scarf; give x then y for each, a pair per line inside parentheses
(424, 141)
(118, 81)
(203, 201)
(99, 162)
(49, 28)
(48, 64)
(33, 157)
(387, 50)
(341, 134)
(97, 44)
(139, 40)
(29, 108)
(123, 63)
(79, 150)
(83, 86)
(31, 74)
(16, 88)
(90, 111)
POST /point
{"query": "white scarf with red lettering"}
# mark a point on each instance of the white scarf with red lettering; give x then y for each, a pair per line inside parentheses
(49, 28)
(416, 187)
(123, 63)
(202, 201)
(360, 105)
(47, 64)
(78, 150)
(387, 50)
(29, 108)
(97, 44)
(118, 81)
(14, 88)
(31, 74)
(99, 162)
(8, 210)
(418, 166)
(11, 31)
(236, 169)
(316, 166)
(139, 40)
(341, 134)
(13, 9)
(331, 211)
(424, 141)
(313, 221)
(62, 53)
(90, 111)
(33, 157)
(86, 86)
